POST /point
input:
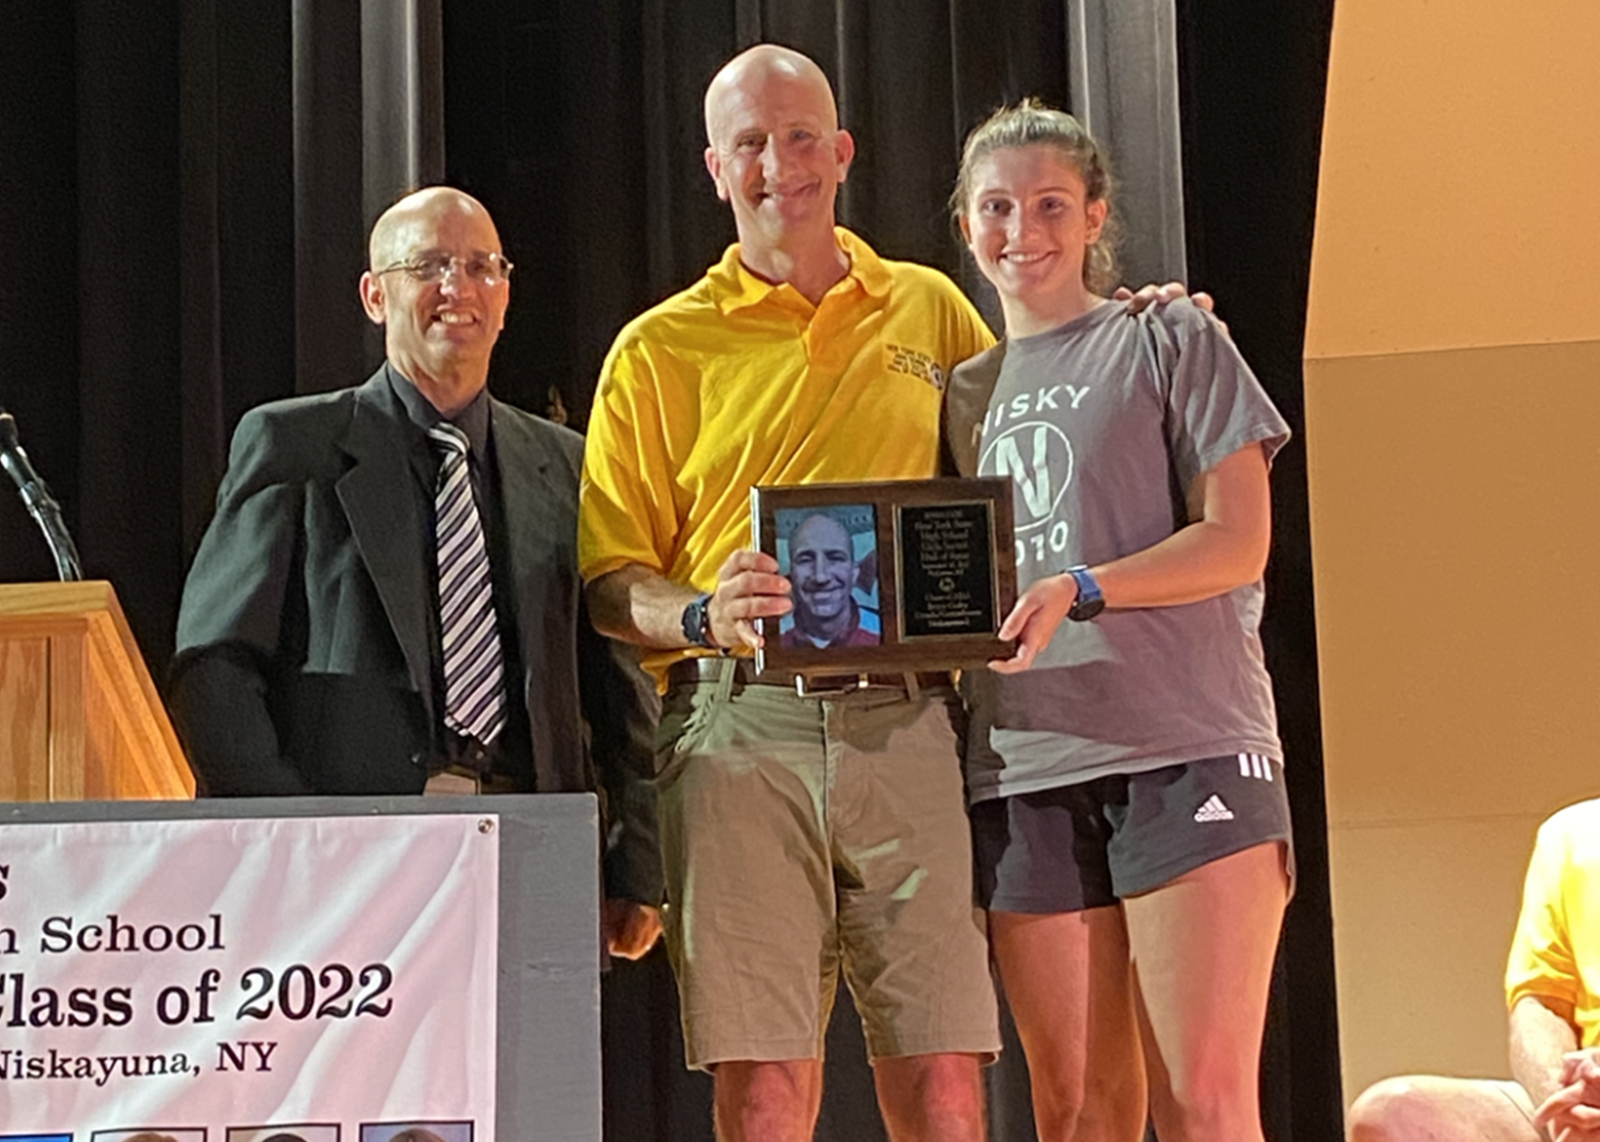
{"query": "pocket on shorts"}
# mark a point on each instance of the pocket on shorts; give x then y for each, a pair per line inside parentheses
(686, 713)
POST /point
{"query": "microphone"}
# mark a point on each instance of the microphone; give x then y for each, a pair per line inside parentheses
(37, 499)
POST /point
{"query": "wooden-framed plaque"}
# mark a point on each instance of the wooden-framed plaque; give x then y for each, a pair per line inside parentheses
(887, 576)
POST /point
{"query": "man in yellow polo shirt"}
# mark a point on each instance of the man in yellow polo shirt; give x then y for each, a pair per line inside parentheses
(1553, 992)
(803, 834)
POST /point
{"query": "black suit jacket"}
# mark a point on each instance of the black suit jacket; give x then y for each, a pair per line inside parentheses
(303, 661)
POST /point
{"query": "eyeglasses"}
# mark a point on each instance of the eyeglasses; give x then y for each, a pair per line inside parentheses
(485, 269)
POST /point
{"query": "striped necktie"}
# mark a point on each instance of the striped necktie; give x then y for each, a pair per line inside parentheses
(474, 673)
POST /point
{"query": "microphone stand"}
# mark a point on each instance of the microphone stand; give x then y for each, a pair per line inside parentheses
(37, 499)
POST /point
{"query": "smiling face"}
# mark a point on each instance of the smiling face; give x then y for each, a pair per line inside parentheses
(438, 334)
(822, 568)
(1029, 223)
(776, 152)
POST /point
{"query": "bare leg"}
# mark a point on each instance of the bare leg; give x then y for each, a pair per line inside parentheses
(1426, 1108)
(1067, 978)
(931, 1098)
(769, 1101)
(1202, 949)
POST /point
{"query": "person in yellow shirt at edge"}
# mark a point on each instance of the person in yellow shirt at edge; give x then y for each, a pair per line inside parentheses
(803, 834)
(1553, 993)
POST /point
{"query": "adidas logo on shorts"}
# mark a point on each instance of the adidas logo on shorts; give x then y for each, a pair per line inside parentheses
(1213, 810)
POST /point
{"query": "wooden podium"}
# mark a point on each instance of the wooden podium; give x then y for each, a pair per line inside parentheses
(80, 718)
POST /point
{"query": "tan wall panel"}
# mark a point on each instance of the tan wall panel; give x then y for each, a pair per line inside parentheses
(1455, 510)
(1453, 415)
(1424, 917)
(1458, 202)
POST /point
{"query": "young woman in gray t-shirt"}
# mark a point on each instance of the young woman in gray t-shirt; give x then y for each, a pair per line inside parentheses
(1129, 822)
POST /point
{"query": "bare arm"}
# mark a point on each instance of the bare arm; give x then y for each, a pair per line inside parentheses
(634, 604)
(1223, 547)
(638, 605)
(1541, 1034)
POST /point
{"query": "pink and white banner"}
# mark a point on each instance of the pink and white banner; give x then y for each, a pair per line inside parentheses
(316, 979)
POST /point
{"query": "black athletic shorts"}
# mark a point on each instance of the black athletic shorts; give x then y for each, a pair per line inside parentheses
(1091, 844)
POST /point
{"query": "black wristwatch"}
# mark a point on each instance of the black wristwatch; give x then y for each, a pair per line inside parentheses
(697, 623)
(1090, 602)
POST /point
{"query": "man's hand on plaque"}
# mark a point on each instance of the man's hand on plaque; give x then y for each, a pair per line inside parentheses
(631, 929)
(748, 588)
(1034, 619)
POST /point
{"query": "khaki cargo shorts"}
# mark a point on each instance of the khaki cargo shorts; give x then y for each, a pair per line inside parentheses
(808, 835)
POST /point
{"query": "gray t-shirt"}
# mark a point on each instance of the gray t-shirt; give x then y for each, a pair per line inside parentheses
(1103, 423)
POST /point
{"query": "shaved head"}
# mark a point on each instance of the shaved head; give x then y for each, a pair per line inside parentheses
(821, 530)
(439, 327)
(390, 240)
(751, 69)
(777, 156)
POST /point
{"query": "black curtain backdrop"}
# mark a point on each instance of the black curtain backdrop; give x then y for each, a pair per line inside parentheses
(1253, 78)
(169, 260)
(39, 304)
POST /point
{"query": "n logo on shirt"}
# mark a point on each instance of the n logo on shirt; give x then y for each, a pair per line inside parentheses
(1038, 457)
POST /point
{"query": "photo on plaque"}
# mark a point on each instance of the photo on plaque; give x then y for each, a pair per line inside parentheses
(830, 557)
(887, 577)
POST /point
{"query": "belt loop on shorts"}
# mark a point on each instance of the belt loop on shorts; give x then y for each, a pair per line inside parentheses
(725, 680)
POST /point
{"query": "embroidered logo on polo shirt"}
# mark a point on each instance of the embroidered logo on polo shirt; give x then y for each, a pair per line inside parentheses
(914, 363)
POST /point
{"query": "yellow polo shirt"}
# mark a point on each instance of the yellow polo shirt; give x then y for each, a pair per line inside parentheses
(1555, 953)
(736, 382)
